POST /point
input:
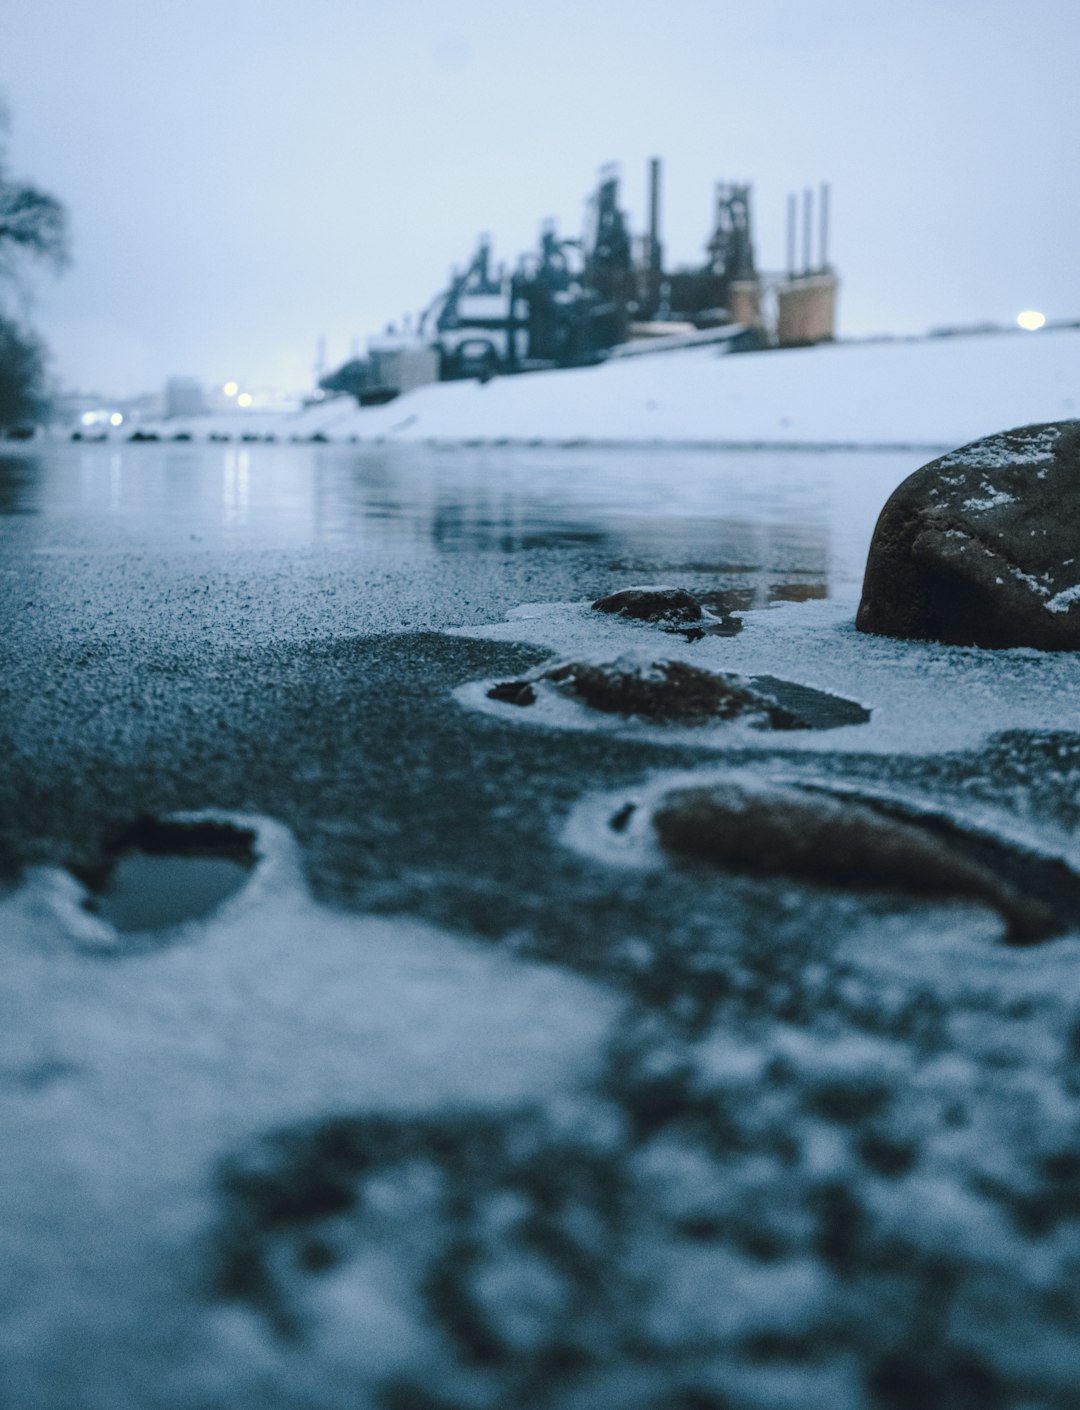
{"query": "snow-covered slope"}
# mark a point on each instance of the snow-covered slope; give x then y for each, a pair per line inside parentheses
(932, 391)
(917, 392)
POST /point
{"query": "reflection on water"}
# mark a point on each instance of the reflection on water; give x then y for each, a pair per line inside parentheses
(805, 515)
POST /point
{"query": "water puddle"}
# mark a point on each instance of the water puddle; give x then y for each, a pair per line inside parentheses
(165, 872)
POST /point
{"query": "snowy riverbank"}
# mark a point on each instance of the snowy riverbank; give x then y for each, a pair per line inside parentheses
(920, 392)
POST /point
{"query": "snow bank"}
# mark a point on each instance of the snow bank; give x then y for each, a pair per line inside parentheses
(930, 393)
(124, 1079)
(933, 392)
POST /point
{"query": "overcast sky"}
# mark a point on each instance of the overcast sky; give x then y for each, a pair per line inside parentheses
(247, 175)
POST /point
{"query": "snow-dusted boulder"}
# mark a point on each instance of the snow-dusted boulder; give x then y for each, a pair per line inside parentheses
(982, 546)
(670, 606)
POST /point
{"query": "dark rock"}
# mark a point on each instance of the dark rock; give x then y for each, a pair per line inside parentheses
(513, 693)
(814, 836)
(675, 693)
(669, 605)
(981, 547)
(670, 692)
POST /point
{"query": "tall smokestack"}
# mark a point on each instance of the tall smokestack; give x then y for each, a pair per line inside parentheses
(654, 215)
(791, 217)
(807, 222)
(824, 233)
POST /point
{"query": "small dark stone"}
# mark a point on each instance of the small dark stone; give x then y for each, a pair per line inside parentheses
(513, 693)
(671, 605)
(982, 547)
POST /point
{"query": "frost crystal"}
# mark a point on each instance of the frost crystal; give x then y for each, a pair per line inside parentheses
(992, 498)
(1062, 601)
(999, 452)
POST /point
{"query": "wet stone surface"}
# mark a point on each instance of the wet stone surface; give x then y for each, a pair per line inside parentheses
(675, 692)
(829, 839)
(670, 692)
(981, 547)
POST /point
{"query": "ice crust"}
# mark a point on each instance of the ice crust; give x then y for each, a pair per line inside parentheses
(124, 1080)
(786, 1151)
(913, 1108)
(924, 697)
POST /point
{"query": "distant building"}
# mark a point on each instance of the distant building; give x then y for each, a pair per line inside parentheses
(184, 396)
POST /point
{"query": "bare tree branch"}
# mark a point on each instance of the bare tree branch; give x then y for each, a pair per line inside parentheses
(33, 222)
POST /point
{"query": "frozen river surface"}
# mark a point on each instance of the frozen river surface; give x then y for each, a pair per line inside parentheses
(452, 1091)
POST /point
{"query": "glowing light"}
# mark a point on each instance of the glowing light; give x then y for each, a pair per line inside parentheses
(1030, 319)
(116, 419)
(231, 388)
(244, 399)
(88, 418)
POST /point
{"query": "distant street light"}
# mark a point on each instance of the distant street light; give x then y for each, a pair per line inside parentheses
(231, 388)
(244, 399)
(116, 419)
(1030, 319)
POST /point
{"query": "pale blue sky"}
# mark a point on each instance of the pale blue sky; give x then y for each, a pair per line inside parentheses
(247, 175)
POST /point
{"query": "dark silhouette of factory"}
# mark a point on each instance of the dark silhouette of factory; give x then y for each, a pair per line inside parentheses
(575, 302)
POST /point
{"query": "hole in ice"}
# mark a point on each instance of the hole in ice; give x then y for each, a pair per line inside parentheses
(164, 872)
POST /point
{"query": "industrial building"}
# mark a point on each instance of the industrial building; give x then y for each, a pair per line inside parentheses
(574, 302)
